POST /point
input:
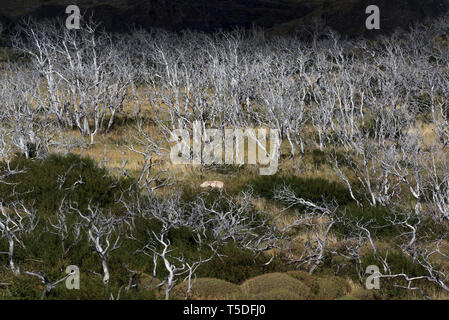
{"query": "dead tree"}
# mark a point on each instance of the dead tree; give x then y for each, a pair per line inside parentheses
(16, 220)
(48, 285)
(176, 266)
(318, 235)
(86, 75)
(29, 129)
(103, 233)
(68, 231)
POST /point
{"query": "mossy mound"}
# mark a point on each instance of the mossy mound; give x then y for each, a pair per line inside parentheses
(332, 287)
(312, 189)
(274, 285)
(364, 294)
(323, 287)
(278, 294)
(209, 288)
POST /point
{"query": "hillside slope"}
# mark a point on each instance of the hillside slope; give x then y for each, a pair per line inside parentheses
(281, 16)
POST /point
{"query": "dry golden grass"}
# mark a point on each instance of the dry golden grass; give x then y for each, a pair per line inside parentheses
(267, 283)
(292, 285)
(112, 150)
(210, 288)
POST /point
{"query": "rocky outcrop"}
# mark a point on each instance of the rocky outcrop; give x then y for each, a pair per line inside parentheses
(212, 184)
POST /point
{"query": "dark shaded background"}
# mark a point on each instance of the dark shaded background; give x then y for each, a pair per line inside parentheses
(278, 16)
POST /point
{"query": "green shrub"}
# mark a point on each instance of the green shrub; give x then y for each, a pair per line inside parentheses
(377, 216)
(239, 265)
(398, 263)
(92, 288)
(312, 189)
(23, 288)
(211, 196)
(41, 183)
(319, 157)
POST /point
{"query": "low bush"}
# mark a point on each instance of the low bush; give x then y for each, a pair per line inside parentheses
(312, 189)
(399, 263)
(376, 219)
(47, 181)
(238, 265)
(318, 157)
